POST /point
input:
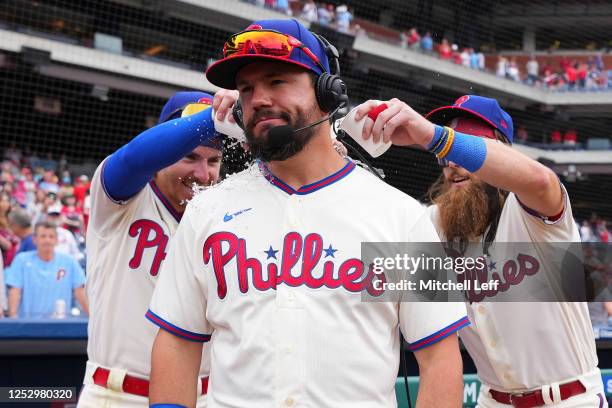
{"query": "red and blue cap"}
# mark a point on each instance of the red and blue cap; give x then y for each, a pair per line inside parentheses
(223, 72)
(486, 109)
(174, 108)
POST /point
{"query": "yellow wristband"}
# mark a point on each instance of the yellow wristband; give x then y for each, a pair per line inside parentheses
(449, 143)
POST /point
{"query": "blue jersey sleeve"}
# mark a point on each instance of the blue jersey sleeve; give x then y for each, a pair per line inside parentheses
(131, 167)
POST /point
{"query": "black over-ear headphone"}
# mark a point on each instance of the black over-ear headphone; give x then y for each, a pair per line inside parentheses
(330, 89)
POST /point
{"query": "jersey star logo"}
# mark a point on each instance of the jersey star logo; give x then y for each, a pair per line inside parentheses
(271, 253)
(330, 251)
(492, 265)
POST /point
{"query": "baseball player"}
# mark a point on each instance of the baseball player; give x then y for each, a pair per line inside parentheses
(270, 263)
(138, 197)
(527, 354)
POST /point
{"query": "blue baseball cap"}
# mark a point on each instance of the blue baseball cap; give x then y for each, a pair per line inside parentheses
(223, 72)
(486, 109)
(174, 107)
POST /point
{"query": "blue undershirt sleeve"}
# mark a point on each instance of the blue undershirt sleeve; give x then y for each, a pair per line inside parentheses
(131, 167)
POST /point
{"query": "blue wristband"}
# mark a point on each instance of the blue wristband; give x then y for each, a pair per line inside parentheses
(438, 133)
(167, 406)
(468, 152)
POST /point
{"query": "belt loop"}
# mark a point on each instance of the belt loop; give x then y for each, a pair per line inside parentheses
(556, 392)
(546, 395)
(115, 379)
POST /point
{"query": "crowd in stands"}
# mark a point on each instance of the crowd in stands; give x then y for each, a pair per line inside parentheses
(35, 193)
(567, 75)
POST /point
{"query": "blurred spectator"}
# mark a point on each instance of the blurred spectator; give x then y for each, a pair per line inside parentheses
(343, 18)
(555, 136)
(9, 243)
(427, 43)
(570, 137)
(521, 134)
(49, 201)
(473, 59)
(444, 49)
(481, 61)
(325, 14)
(80, 189)
(72, 216)
(533, 70)
(501, 67)
(38, 279)
(513, 71)
(49, 163)
(571, 75)
(603, 232)
(582, 75)
(66, 242)
(20, 223)
(49, 182)
(414, 39)
(309, 11)
(586, 232)
(456, 54)
(465, 57)
(13, 154)
(282, 6)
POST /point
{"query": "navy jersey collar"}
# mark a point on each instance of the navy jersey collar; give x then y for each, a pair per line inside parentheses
(308, 188)
(177, 216)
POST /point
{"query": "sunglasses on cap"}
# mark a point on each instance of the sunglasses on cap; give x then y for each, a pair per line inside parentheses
(187, 110)
(266, 42)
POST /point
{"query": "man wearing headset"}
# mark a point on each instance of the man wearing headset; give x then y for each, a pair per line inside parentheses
(266, 266)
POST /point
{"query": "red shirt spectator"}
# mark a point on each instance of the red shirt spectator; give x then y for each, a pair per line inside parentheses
(571, 74)
(72, 215)
(80, 189)
(445, 50)
(570, 137)
(555, 136)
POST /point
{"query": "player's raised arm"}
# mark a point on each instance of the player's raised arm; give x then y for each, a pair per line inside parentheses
(536, 186)
(129, 169)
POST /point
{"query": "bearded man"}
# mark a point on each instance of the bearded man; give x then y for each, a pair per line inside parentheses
(527, 354)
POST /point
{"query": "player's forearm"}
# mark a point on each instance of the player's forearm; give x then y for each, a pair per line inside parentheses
(175, 365)
(14, 298)
(441, 375)
(81, 297)
(535, 185)
(131, 167)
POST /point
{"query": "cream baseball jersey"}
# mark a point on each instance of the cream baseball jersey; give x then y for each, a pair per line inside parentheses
(273, 278)
(523, 345)
(126, 243)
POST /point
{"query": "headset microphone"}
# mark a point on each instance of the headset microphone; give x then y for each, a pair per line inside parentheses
(279, 136)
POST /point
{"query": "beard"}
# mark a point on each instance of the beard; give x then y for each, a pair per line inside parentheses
(261, 148)
(466, 213)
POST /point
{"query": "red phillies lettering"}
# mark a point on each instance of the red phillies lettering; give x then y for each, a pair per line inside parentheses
(150, 235)
(221, 248)
(513, 273)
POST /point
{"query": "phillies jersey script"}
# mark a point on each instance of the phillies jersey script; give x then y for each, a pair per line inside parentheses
(127, 243)
(274, 280)
(519, 346)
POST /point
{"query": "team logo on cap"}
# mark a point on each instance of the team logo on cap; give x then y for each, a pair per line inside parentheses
(205, 100)
(254, 27)
(462, 100)
(503, 124)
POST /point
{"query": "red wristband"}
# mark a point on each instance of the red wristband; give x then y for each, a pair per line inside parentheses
(373, 114)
